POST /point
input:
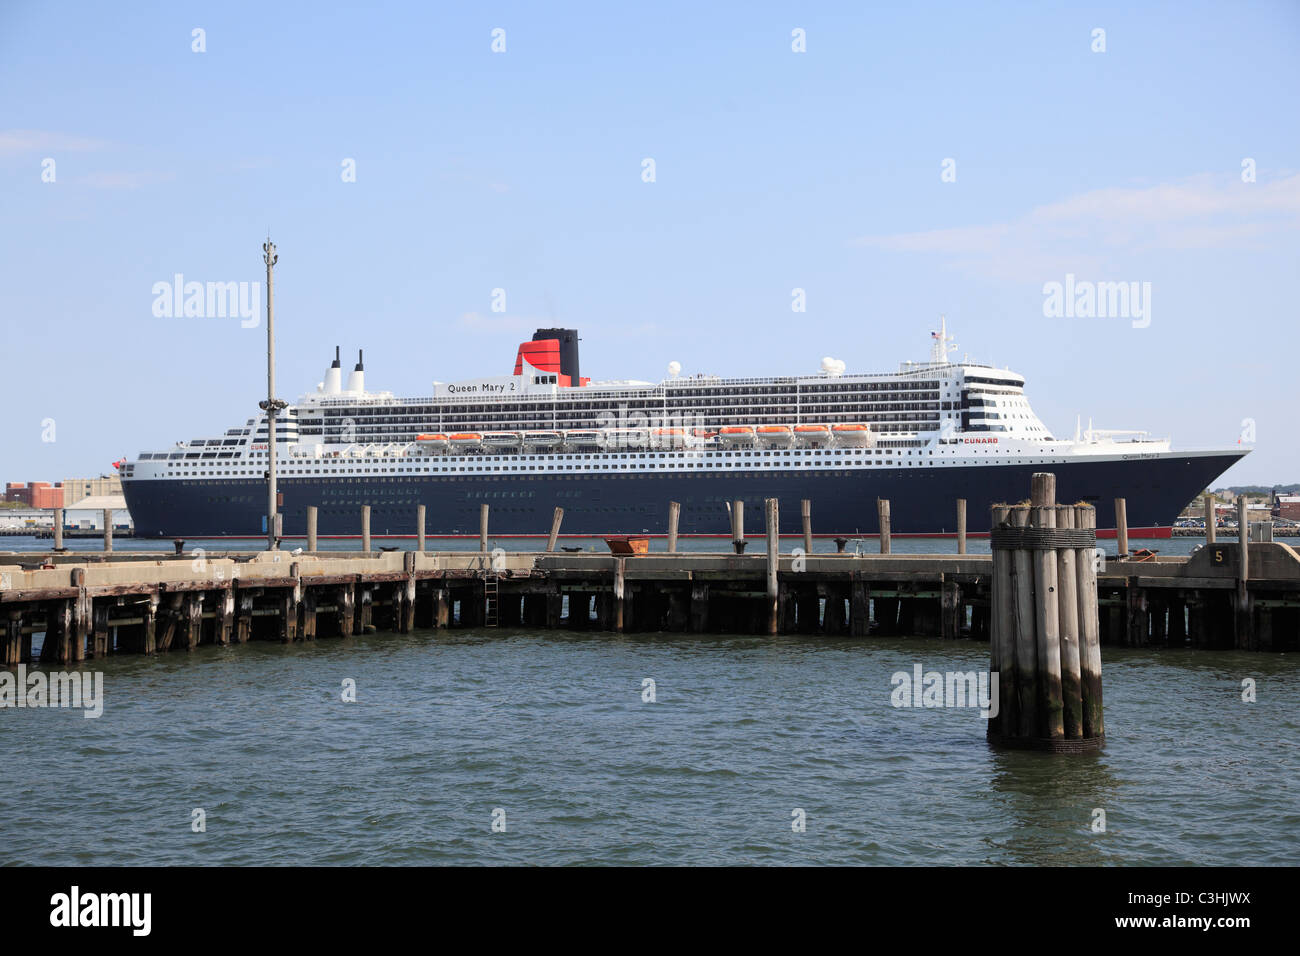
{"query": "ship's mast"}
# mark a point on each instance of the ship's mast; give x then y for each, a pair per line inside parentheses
(940, 347)
(272, 404)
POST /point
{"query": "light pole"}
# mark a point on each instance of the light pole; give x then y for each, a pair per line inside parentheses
(272, 404)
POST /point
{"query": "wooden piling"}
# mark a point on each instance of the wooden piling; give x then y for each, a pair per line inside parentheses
(483, 528)
(1085, 518)
(805, 516)
(11, 645)
(620, 587)
(882, 512)
(1211, 516)
(961, 525)
(738, 526)
(365, 528)
(1121, 527)
(1047, 608)
(226, 618)
(1002, 644)
(244, 617)
(556, 518)
(674, 515)
(1049, 683)
(311, 529)
(1068, 617)
(773, 519)
(58, 529)
(1243, 613)
(108, 530)
(419, 528)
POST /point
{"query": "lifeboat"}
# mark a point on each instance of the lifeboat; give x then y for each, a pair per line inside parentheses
(812, 434)
(704, 434)
(584, 437)
(854, 436)
(779, 436)
(736, 435)
(668, 437)
(627, 437)
(466, 441)
(542, 439)
(438, 442)
(501, 440)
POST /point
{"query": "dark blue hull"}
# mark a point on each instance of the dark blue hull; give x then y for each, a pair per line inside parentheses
(843, 502)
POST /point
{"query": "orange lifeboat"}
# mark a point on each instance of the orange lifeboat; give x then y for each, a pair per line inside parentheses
(668, 437)
(779, 435)
(431, 441)
(854, 435)
(736, 434)
(466, 440)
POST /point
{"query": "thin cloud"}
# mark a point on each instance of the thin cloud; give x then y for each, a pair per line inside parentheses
(123, 180)
(1084, 232)
(15, 142)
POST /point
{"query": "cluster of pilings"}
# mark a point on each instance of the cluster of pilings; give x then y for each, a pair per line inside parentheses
(1046, 648)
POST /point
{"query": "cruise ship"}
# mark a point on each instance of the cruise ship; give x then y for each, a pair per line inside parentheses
(613, 454)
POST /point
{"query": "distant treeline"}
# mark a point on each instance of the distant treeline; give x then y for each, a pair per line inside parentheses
(1261, 489)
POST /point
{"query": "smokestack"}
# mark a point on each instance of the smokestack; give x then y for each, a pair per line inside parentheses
(357, 379)
(333, 376)
(568, 339)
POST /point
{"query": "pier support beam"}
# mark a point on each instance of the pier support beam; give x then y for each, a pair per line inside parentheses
(11, 651)
(859, 607)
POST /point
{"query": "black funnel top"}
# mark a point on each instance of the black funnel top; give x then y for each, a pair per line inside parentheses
(568, 349)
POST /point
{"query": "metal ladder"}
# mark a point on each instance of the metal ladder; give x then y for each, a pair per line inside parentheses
(490, 597)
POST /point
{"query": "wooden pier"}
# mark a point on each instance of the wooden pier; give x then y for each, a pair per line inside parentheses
(150, 603)
(1240, 594)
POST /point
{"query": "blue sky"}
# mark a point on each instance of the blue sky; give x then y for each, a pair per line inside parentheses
(522, 170)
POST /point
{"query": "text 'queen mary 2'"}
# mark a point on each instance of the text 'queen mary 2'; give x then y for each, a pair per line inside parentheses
(613, 454)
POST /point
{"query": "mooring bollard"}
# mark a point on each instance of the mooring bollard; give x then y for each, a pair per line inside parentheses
(365, 528)
(1044, 648)
(311, 529)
